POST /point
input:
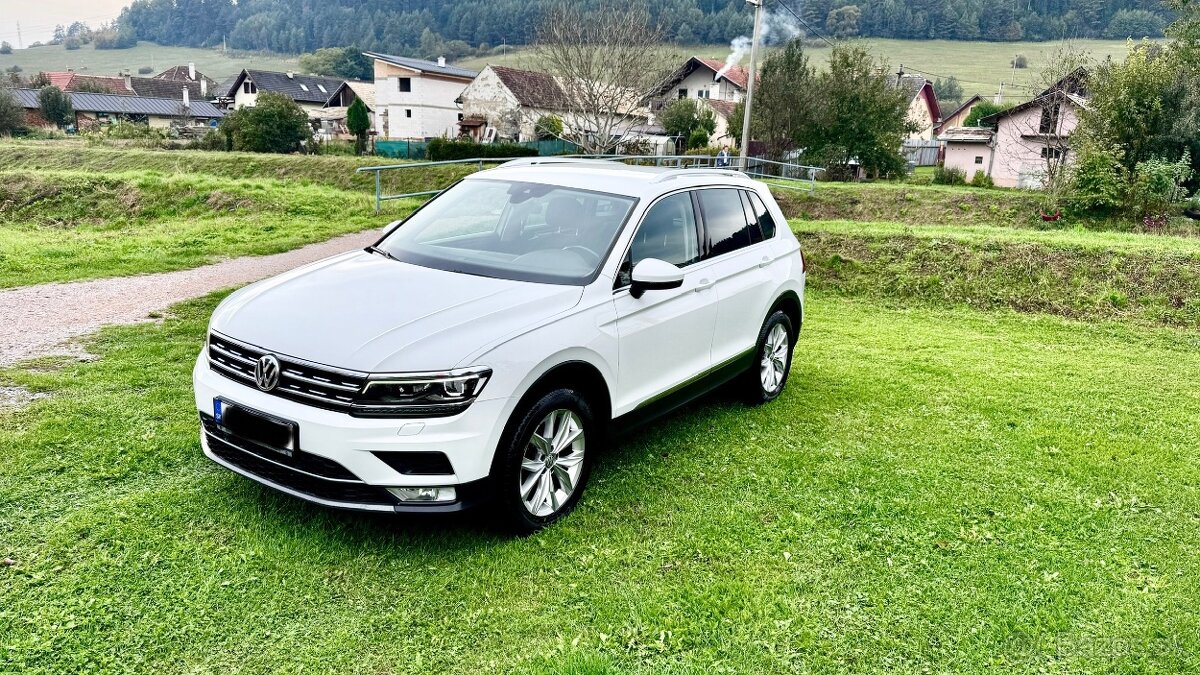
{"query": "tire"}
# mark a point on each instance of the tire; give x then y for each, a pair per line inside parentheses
(772, 364)
(531, 497)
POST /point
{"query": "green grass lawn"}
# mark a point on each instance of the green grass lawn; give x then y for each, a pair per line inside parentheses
(937, 490)
(71, 225)
(91, 61)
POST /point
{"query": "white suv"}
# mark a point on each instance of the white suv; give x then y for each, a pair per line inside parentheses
(488, 345)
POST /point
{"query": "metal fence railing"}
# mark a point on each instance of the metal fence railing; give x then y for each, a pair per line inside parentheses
(778, 174)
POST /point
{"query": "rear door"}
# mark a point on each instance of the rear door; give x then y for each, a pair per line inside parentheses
(738, 259)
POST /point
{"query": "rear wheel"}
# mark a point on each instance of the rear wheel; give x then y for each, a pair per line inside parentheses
(544, 467)
(772, 359)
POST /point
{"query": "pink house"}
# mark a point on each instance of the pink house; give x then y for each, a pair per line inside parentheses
(1029, 141)
(1034, 138)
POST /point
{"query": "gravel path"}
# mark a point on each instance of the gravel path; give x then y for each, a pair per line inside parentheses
(42, 320)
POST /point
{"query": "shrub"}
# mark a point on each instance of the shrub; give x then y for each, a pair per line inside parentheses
(12, 114)
(1098, 183)
(549, 126)
(145, 70)
(274, 124)
(125, 131)
(1020, 62)
(212, 140)
(1158, 184)
(5, 47)
(698, 139)
(71, 43)
(982, 180)
(944, 175)
(55, 106)
(443, 149)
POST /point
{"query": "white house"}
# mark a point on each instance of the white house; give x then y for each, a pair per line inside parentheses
(703, 79)
(923, 109)
(416, 99)
(308, 91)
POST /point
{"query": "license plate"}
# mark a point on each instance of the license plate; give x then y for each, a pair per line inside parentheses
(257, 427)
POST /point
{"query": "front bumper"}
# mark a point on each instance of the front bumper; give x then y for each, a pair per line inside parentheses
(337, 465)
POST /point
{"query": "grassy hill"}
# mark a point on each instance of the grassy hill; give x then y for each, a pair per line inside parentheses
(979, 66)
(87, 59)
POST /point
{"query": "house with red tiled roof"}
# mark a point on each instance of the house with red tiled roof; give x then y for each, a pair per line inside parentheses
(124, 85)
(702, 78)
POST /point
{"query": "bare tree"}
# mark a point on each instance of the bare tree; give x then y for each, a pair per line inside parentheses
(609, 62)
(1045, 132)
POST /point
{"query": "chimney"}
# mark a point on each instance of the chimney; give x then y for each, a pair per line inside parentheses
(186, 102)
(128, 82)
(191, 70)
(441, 62)
(203, 88)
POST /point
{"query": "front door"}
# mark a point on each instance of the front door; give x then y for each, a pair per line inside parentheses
(664, 336)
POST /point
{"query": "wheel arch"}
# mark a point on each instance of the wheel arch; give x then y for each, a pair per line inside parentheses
(790, 304)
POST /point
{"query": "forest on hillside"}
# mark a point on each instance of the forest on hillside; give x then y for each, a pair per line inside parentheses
(431, 28)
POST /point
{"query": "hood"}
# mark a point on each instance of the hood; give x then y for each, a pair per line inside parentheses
(365, 312)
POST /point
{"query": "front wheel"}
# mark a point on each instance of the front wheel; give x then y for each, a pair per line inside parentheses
(772, 359)
(544, 466)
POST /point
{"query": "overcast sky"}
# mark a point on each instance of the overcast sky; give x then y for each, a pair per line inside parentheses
(38, 17)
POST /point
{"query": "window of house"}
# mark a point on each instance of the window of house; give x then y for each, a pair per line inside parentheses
(979, 159)
(726, 228)
(249, 87)
(304, 87)
(408, 112)
(322, 88)
(1052, 153)
(406, 84)
(683, 93)
(460, 117)
(1049, 123)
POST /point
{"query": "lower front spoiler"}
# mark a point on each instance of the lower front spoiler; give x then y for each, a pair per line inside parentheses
(320, 490)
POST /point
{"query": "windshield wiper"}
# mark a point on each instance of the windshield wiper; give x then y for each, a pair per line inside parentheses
(375, 249)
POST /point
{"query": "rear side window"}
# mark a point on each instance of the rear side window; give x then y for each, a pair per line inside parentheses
(726, 229)
(759, 210)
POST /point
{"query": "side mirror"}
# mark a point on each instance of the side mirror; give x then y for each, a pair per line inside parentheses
(653, 274)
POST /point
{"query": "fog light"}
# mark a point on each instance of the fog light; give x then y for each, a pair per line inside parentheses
(424, 494)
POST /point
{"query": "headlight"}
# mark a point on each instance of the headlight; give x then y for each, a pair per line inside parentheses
(420, 394)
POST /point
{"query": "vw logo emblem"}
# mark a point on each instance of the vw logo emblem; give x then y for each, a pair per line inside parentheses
(266, 372)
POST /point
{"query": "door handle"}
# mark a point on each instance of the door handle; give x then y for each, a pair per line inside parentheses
(703, 284)
(765, 262)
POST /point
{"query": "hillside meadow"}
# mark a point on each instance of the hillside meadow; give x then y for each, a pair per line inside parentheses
(91, 61)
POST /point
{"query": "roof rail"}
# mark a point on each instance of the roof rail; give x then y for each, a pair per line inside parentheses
(672, 174)
(534, 161)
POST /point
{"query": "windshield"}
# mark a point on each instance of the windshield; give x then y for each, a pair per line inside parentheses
(512, 230)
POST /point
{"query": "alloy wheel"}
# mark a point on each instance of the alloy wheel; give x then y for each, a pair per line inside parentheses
(552, 463)
(774, 359)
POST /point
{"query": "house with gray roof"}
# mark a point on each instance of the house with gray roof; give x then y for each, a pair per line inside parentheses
(416, 99)
(309, 91)
(100, 109)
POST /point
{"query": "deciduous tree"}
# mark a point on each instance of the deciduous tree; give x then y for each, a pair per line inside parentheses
(55, 106)
(608, 61)
(274, 124)
(12, 114)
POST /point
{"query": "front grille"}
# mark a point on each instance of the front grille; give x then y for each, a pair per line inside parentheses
(348, 492)
(309, 383)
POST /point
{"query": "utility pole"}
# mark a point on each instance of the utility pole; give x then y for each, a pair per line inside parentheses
(758, 9)
(19, 44)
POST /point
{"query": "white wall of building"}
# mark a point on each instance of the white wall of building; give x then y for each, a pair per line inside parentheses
(701, 82)
(427, 110)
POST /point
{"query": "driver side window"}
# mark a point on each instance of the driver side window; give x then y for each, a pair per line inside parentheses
(667, 232)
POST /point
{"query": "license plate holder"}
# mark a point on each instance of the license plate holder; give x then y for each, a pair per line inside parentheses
(257, 427)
